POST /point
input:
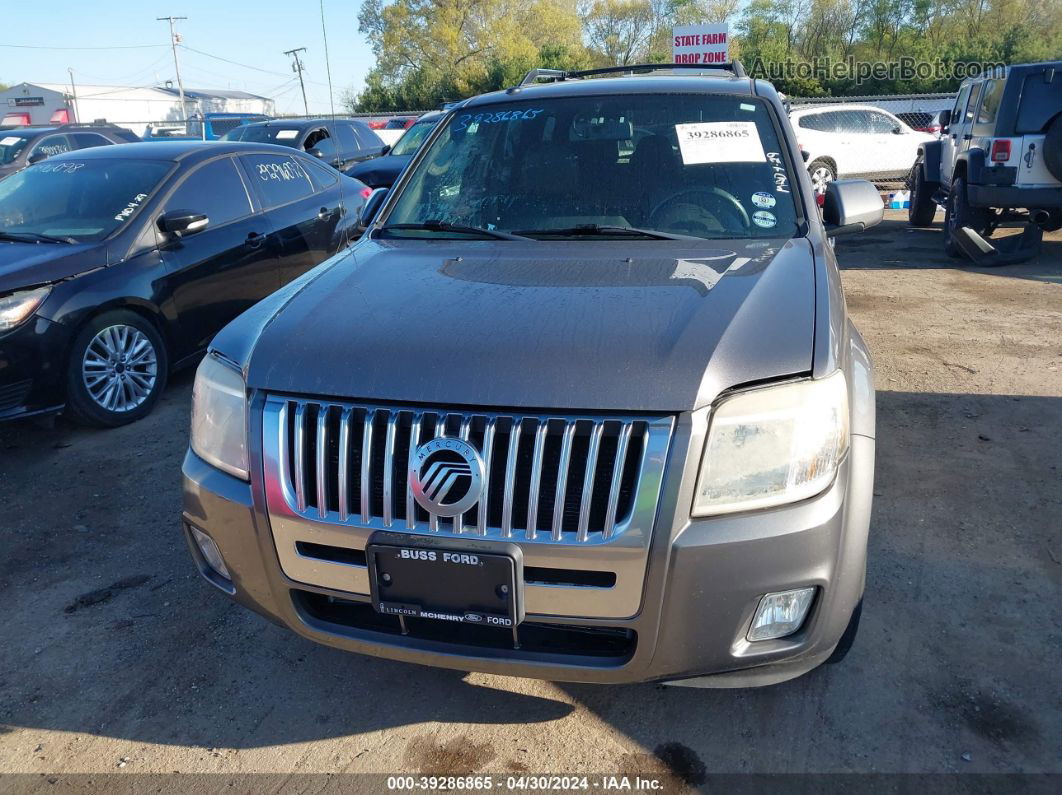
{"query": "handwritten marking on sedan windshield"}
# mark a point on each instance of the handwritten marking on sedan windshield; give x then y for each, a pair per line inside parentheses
(720, 142)
(465, 119)
(59, 168)
(130, 208)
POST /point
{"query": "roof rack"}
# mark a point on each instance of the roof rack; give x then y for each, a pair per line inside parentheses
(553, 75)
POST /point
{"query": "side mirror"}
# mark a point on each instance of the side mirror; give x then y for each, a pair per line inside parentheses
(316, 153)
(371, 207)
(385, 150)
(851, 205)
(897, 130)
(804, 153)
(36, 157)
(182, 222)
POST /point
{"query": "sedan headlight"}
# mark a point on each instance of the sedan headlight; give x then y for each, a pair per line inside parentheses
(17, 308)
(219, 416)
(773, 446)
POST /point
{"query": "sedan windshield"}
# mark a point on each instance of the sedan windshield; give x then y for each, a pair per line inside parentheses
(284, 136)
(409, 142)
(77, 200)
(622, 167)
(11, 145)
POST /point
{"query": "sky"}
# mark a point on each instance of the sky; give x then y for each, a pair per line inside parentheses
(253, 33)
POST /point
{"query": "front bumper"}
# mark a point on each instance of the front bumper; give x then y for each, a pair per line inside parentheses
(32, 359)
(703, 582)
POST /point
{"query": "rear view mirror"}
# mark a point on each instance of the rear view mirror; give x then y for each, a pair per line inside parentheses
(371, 207)
(182, 222)
(851, 205)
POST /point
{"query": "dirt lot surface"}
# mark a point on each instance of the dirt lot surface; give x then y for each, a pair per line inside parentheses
(116, 657)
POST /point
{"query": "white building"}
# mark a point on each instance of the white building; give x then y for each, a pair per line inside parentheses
(128, 106)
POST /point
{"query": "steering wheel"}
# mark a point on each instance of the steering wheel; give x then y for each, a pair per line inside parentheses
(680, 210)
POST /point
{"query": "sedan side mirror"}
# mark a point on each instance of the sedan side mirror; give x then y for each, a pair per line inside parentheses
(851, 205)
(316, 153)
(385, 150)
(182, 222)
(36, 157)
(897, 130)
(371, 207)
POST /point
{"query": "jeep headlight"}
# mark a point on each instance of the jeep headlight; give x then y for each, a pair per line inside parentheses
(17, 308)
(219, 416)
(773, 446)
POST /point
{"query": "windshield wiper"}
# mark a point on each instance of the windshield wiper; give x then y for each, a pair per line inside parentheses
(34, 237)
(605, 230)
(444, 226)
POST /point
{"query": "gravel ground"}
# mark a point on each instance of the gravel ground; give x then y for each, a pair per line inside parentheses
(115, 656)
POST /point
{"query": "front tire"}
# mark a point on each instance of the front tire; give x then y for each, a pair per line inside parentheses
(116, 371)
(822, 173)
(958, 213)
(922, 208)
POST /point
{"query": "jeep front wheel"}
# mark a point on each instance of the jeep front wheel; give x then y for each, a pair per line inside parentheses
(922, 208)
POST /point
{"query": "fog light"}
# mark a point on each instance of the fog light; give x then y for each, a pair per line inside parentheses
(780, 614)
(210, 552)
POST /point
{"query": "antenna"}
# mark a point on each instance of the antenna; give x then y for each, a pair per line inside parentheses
(174, 41)
(297, 66)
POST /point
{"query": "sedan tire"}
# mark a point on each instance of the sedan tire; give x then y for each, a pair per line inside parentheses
(116, 371)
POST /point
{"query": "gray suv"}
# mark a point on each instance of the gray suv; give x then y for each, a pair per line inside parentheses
(583, 403)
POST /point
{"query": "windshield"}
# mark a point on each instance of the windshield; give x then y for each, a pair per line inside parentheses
(11, 145)
(709, 166)
(285, 136)
(409, 142)
(81, 200)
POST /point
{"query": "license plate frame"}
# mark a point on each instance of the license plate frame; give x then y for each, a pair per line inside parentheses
(446, 579)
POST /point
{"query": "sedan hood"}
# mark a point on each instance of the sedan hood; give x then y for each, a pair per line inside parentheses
(33, 264)
(568, 325)
(380, 171)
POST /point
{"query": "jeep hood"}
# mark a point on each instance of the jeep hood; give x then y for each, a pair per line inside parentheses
(569, 325)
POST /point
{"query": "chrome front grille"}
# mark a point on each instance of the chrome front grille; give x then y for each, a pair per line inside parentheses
(548, 478)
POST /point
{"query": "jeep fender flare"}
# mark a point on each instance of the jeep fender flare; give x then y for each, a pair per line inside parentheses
(929, 153)
(973, 166)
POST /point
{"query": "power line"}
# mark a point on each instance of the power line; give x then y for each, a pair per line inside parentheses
(46, 47)
(243, 65)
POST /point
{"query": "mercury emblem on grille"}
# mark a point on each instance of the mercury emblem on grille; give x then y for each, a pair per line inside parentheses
(446, 476)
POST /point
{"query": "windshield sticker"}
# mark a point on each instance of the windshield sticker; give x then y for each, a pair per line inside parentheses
(130, 208)
(282, 172)
(720, 142)
(465, 120)
(763, 200)
(746, 106)
(283, 135)
(781, 180)
(59, 168)
(11, 139)
(764, 219)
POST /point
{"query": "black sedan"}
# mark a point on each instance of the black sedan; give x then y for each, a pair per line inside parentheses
(381, 172)
(119, 263)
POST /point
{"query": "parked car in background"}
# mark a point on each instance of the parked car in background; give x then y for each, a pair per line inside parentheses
(855, 141)
(561, 412)
(923, 121)
(393, 129)
(23, 146)
(210, 127)
(1000, 158)
(381, 172)
(341, 142)
(118, 263)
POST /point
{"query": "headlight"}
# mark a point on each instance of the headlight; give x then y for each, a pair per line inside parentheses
(773, 446)
(219, 417)
(16, 308)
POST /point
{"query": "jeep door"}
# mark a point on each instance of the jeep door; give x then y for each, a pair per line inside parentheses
(957, 136)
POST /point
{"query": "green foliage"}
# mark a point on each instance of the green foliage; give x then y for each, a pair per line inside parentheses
(431, 51)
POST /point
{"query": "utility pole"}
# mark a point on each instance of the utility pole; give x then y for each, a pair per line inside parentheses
(176, 64)
(296, 66)
(73, 94)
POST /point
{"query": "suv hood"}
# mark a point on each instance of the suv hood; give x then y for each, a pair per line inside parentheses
(33, 264)
(569, 325)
